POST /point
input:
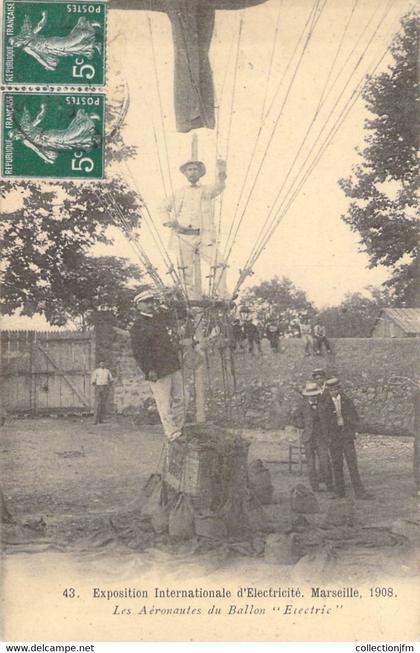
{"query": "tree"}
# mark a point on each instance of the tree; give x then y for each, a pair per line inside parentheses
(52, 226)
(91, 284)
(356, 315)
(383, 186)
(49, 233)
(278, 300)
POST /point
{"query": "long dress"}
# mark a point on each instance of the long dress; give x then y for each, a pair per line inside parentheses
(192, 24)
(48, 50)
(80, 134)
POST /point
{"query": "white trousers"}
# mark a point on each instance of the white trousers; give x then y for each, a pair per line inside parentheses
(189, 248)
(171, 401)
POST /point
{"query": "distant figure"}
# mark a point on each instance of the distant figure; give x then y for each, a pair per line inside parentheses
(101, 380)
(158, 358)
(238, 336)
(306, 417)
(272, 333)
(306, 335)
(320, 339)
(339, 421)
(252, 336)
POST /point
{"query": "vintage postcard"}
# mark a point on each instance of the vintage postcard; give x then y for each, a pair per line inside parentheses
(210, 322)
(54, 42)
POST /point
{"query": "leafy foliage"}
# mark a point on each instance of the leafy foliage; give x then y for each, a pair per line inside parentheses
(278, 300)
(356, 315)
(383, 186)
(44, 240)
(47, 233)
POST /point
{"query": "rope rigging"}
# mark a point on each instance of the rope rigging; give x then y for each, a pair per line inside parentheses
(314, 18)
(340, 79)
(288, 201)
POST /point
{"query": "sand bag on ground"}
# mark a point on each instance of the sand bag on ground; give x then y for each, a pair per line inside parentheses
(181, 520)
(340, 513)
(303, 500)
(256, 517)
(281, 549)
(259, 480)
(317, 566)
(156, 506)
(210, 525)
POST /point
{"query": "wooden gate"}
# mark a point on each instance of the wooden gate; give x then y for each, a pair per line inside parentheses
(45, 372)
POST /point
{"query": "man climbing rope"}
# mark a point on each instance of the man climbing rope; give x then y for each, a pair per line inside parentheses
(157, 356)
(189, 215)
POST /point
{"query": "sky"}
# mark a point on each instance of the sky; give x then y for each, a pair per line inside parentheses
(312, 245)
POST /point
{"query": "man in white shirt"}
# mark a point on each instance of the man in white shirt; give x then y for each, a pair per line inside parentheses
(190, 216)
(101, 380)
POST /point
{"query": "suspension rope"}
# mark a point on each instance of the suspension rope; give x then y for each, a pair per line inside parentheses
(213, 269)
(159, 95)
(142, 256)
(213, 272)
(241, 192)
(310, 126)
(327, 141)
(151, 269)
(150, 223)
(325, 125)
(275, 127)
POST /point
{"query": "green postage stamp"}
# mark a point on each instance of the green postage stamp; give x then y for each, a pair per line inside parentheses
(54, 42)
(53, 135)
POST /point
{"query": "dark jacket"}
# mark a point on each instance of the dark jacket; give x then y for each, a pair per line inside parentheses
(328, 417)
(152, 346)
(250, 330)
(272, 332)
(307, 418)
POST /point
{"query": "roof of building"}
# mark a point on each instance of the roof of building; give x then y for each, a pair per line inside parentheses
(408, 319)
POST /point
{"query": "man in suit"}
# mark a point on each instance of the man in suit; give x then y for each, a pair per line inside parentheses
(157, 356)
(272, 333)
(306, 417)
(339, 422)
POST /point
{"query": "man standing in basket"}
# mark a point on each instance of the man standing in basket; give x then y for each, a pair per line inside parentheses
(339, 421)
(189, 214)
(158, 358)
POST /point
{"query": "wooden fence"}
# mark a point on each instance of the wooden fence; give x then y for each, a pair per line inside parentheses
(45, 372)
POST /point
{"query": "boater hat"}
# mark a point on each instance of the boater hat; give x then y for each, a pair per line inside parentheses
(311, 390)
(200, 165)
(144, 295)
(332, 383)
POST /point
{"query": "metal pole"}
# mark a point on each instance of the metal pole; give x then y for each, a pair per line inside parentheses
(200, 391)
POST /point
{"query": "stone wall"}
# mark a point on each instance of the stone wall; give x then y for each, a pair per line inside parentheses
(131, 394)
(266, 384)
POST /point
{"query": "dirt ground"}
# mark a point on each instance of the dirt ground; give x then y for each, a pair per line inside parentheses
(70, 473)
